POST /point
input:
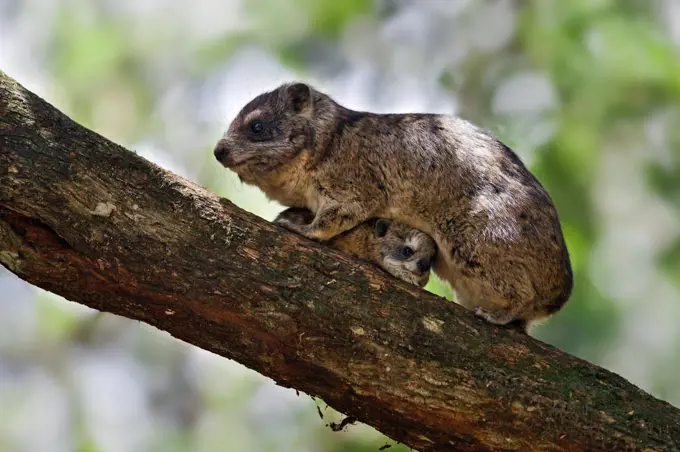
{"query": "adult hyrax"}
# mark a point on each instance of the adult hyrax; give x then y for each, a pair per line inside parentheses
(400, 250)
(498, 234)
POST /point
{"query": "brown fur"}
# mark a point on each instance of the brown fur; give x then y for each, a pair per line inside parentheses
(500, 243)
(383, 242)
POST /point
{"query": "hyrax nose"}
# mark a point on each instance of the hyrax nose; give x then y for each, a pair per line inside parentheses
(424, 265)
(221, 150)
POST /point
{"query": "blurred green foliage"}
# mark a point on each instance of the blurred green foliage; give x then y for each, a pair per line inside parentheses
(611, 63)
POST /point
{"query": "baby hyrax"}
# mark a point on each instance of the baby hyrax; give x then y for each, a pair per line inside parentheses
(401, 251)
(498, 234)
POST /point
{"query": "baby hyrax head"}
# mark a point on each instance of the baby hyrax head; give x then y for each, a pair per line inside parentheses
(270, 134)
(400, 250)
(405, 253)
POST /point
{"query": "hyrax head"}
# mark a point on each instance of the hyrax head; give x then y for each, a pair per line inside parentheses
(269, 134)
(405, 253)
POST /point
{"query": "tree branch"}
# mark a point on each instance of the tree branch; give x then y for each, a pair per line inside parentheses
(86, 219)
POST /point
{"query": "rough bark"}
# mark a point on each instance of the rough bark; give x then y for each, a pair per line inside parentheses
(86, 219)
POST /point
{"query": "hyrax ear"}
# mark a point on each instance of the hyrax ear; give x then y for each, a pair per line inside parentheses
(381, 227)
(299, 97)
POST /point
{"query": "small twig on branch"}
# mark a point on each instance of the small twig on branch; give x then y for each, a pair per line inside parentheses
(337, 427)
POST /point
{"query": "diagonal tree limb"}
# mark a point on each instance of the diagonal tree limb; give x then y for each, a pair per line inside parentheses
(86, 219)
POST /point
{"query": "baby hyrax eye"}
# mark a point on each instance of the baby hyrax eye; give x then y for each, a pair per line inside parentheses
(256, 127)
(407, 252)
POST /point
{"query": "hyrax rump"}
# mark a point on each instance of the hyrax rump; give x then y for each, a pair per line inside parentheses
(498, 234)
(400, 250)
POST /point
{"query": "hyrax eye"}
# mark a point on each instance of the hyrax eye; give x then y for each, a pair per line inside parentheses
(256, 127)
(407, 252)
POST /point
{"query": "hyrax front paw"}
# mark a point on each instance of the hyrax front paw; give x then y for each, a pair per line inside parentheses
(289, 224)
(499, 317)
(503, 318)
(297, 215)
(300, 222)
